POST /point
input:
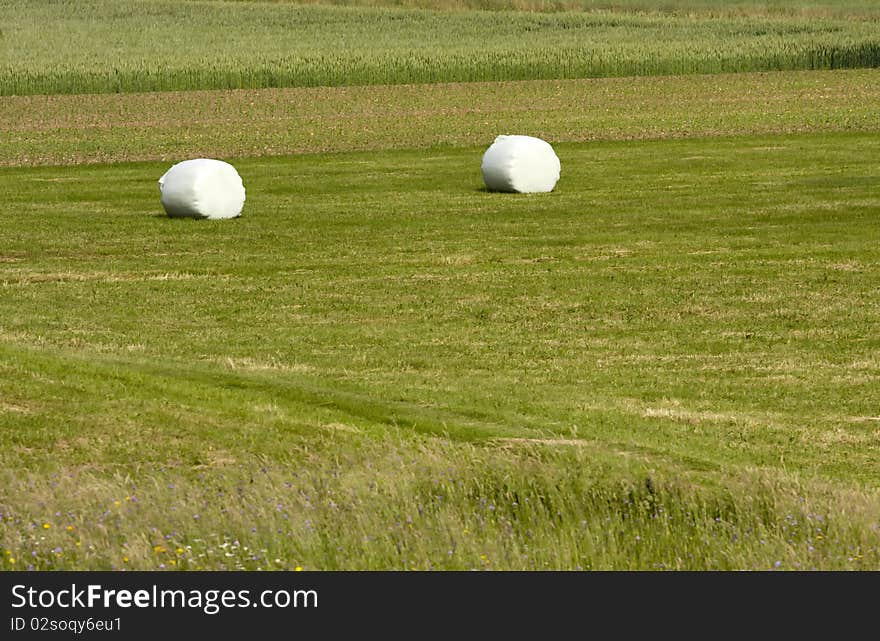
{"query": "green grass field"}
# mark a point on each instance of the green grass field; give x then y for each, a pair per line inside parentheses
(690, 312)
(670, 362)
(54, 130)
(854, 9)
(107, 46)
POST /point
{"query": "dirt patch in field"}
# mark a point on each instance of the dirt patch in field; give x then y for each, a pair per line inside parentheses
(13, 408)
(33, 278)
(542, 441)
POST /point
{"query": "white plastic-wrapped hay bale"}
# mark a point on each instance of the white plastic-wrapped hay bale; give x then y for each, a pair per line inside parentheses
(202, 188)
(520, 163)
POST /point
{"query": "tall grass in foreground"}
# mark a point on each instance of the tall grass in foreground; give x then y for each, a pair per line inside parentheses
(101, 46)
(425, 504)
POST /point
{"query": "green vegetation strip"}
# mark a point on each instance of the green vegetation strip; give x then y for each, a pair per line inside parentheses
(107, 46)
(671, 361)
(40, 130)
(852, 9)
(343, 501)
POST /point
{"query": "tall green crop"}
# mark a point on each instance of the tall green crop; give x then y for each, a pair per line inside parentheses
(100, 46)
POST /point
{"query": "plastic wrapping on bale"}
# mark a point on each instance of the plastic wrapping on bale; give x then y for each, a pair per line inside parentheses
(202, 188)
(520, 164)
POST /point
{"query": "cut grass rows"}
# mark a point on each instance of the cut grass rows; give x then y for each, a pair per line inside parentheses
(709, 301)
(41, 130)
(669, 362)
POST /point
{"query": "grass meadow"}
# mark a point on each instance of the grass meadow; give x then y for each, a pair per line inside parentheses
(378, 340)
(58, 130)
(671, 362)
(853, 9)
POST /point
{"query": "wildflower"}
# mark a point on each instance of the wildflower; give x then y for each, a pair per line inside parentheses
(298, 568)
(69, 528)
(179, 550)
(125, 559)
(117, 503)
(158, 549)
(12, 560)
(46, 526)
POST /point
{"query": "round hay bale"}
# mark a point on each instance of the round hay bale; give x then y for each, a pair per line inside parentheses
(520, 164)
(202, 188)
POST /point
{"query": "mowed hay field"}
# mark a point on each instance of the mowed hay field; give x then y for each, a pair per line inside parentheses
(670, 362)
